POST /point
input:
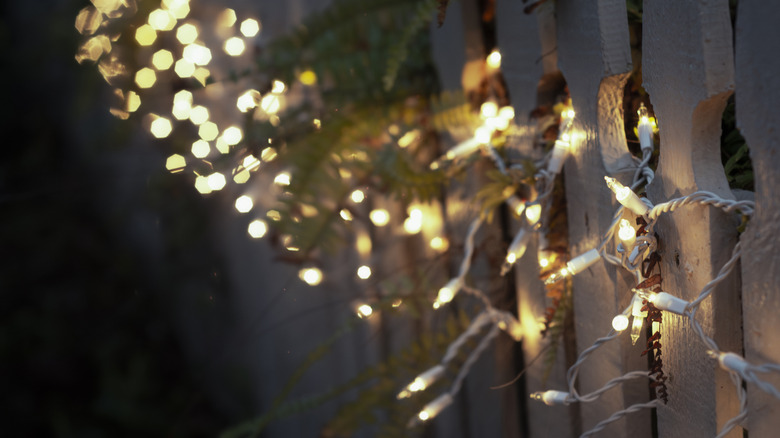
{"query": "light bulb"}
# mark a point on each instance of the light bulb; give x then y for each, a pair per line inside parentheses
(636, 329)
(665, 301)
(365, 310)
(627, 197)
(644, 128)
(465, 148)
(627, 234)
(551, 397)
(447, 293)
(575, 266)
(433, 408)
(559, 153)
(421, 382)
(516, 249)
(517, 206)
(533, 213)
(620, 323)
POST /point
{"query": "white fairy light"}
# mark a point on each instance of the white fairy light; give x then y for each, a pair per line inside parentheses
(627, 197)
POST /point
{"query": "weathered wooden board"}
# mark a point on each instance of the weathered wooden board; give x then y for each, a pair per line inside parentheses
(594, 56)
(523, 40)
(688, 72)
(758, 94)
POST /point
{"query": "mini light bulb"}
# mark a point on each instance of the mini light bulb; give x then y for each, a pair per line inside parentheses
(559, 153)
(644, 128)
(533, 213)
(447, 293)
(627, 197)
(516, 249)
(551, 397)
(627, 234)
(639, 316)
(665, 301)
(517, 205)
(433, 408)
(636, 329)
(620, 323)
(421, 382)
(466, 148)
(575, 266)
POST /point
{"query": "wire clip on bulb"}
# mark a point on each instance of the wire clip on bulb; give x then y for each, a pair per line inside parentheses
(551, 397)
(575, 266)
(627, 197)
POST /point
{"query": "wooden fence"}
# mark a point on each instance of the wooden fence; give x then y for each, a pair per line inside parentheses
(692, 62)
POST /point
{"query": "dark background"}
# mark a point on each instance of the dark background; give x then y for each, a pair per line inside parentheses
(95, 249)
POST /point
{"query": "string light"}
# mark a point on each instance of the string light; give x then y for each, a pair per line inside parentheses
(413, 224)
(551, 397)
(638, 316)
(447, 292)
(627, 234)
(627, 197)
(421, 382)
(644, 129)
(311, 276)
(575, 266)
(620, 323)
(665, 301)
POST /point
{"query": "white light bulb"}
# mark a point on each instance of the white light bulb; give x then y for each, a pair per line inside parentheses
(627, 197)
(644, 128)
(627, 234)
(620, 323)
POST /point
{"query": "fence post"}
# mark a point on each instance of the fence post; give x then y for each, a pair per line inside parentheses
(594, 56)
(688, 72)
(758, 93)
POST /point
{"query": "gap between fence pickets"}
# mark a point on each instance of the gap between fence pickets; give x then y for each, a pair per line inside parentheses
(757, 95)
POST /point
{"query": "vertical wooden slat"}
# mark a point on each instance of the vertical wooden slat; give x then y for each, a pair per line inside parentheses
(688, 72)
(758, 93)
(594, 56)
(523, 40)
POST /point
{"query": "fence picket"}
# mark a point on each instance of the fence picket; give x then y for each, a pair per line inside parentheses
(688, 72)
(594, 56)
(758, 91)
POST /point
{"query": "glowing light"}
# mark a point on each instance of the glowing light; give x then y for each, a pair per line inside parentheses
(199, 115)
(268, 154)
(544, 262)
(161, 127)
(94, 48)
(346, 215)
(208, 131)
(250, 27)
(244, 204)
(270, 103)
(380, 217)
(178, 8)
(421, 382)
(202, 185)
(357, 196)
(222, 146)
(363, 244)
(88, 21)
(162, 59)
(489, 109)
(201, 74)
(182, 105)
(494, 59)
(145, 77)
(282, 179)
(145, 35)
(133, 101)
(308, 77)
(644, 128)
(627, 197)
(201, 149)
(227, 18)
(248, 100)
(620, 323)
(175, 163)
(232, 135)
(234, 46)
(440, 244)
(278, 87)
(184, 68)
(161, 20)
(312, 276)
(447, 292)
(413, 224)
(424, 415)
(364, 272)
(364, 311)
(217, 181)
(507, 113)
(533, 213)
(197, 54)
(187, 33)
(626, 233)
(483, 134)
(257, 228)
(274, 215)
